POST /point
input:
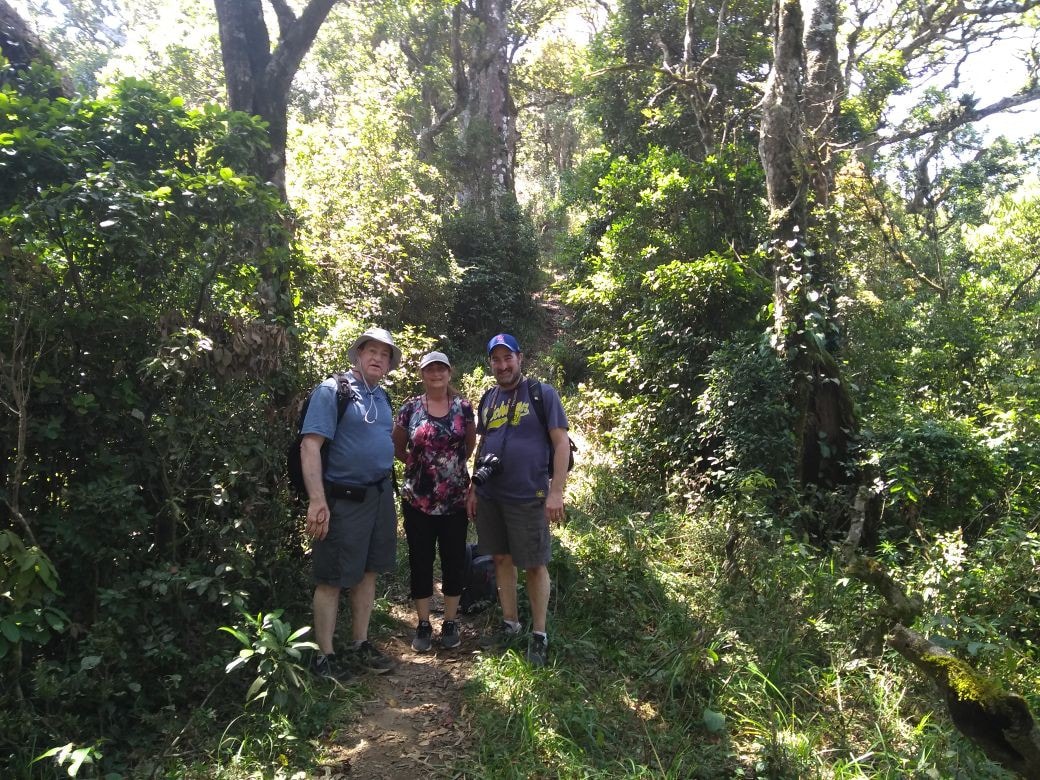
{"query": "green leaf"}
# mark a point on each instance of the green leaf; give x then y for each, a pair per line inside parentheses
(79, 757)
(236, 634)
(10, 631)
(89, 662)
(256, 688)
(64, 750)
(715, 722)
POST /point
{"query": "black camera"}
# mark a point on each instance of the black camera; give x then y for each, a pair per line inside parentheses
(487, 466)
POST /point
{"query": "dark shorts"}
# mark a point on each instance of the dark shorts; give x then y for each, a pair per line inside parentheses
(362, 538)
(519, 530)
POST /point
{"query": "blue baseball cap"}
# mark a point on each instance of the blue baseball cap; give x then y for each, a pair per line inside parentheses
(503, 340)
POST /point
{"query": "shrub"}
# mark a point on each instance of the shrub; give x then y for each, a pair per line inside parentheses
(497, 255)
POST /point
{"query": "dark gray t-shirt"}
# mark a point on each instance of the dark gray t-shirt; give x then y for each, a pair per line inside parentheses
(362, 451)
(525, 473)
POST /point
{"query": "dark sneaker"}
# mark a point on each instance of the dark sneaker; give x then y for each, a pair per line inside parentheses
(423, 637)
(326, 668)
(538, 650)
(450, 634)
(368, 658)
(505, 637)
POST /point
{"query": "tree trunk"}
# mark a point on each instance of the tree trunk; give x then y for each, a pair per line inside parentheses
(488, 121)
(824, 90)
(259, 77)
(20, 46)
(798, 120)
(258, 82)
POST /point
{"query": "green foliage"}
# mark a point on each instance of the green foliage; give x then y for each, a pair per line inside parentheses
(658, 294)
(271, 646)
(74, 756)
(497, 255)
(377, 241)
(637, 104)
(940, 473)
(144, 358)
(28, 588)
(744, 422)
(882, 77)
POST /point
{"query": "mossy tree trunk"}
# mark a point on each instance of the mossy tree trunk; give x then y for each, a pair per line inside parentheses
(799, 113)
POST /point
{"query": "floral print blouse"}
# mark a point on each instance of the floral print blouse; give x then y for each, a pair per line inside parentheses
(435, 472)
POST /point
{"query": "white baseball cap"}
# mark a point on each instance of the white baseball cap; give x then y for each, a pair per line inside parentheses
(433, 357)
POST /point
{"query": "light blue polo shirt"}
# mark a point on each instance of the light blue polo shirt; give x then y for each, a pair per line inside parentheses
(361, 452)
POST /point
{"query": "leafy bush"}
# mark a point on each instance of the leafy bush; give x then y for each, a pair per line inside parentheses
(145, 305)
(497, 255)
(744, 424)
(939, 473)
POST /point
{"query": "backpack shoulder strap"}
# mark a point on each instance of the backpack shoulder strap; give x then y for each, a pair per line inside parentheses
(534, 392)
(345, 393)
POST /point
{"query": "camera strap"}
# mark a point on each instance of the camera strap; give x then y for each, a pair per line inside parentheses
(510, 411)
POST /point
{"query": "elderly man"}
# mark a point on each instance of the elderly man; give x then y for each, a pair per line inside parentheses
(519, 478)
(350, 510)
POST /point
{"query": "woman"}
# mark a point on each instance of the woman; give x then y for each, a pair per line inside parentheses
(434, 436)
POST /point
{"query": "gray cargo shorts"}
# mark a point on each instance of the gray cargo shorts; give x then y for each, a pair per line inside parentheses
(362, 538)
(519, 530)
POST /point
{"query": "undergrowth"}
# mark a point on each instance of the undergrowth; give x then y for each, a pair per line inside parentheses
(673, 658)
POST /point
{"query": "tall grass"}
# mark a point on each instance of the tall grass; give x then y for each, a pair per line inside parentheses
(667, 662)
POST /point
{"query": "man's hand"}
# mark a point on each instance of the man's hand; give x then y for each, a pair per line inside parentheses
(471, 503)
(317, 507)
(317, 519)
(554, 511)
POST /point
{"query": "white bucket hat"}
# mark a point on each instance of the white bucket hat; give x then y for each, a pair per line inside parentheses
(383, 337)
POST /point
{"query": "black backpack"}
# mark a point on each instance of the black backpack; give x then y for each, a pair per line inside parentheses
(534, 392)
(345, 393)
(479, 590)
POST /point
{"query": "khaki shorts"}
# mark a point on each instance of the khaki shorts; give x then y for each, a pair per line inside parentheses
(519, 530)
(362, 538)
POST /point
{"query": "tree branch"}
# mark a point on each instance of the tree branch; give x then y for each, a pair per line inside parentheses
(967, 114)
(295, 42)
(876, 213)
(460, 85)
(284, 14)
(1000, 723)
(1021, 286)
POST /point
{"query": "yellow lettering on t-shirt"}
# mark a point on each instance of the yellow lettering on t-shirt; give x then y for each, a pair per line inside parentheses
(498, 414)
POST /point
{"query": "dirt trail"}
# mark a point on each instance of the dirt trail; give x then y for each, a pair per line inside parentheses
(412, 724)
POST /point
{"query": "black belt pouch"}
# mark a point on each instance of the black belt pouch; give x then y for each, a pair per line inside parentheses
(349, 492)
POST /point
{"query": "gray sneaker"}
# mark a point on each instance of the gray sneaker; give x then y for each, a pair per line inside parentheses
(325, 667)
(504, 638)
(423, 637)
(538, 650)
(368, 658)
(450, 634)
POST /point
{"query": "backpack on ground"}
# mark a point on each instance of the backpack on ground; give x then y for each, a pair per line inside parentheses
(534, 392)
(344, 394)
(479, 590)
